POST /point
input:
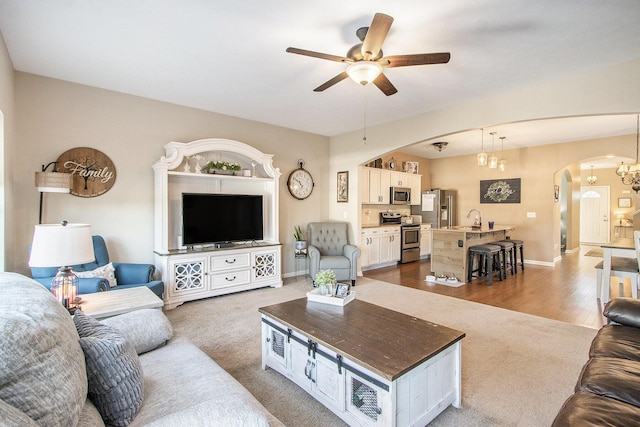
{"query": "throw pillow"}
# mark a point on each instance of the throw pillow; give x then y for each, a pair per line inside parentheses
(107, 271)
(146, 329)
(114, 372)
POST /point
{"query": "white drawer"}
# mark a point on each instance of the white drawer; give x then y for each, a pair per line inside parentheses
(225, 262)
(230, 278)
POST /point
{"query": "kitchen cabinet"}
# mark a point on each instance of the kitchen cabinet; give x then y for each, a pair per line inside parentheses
(379, 185)
(374, 185)
(425, 240)
(415, 184)
(379, 246)
(363, 185)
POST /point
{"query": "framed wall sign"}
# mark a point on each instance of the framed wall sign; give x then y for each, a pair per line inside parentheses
(500, 191)
(343, 186)
(624, 202)
(93, 171)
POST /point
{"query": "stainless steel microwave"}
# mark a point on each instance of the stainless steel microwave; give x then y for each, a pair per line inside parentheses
(400, 196)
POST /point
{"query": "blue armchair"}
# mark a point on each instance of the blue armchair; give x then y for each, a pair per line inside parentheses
(127, 275)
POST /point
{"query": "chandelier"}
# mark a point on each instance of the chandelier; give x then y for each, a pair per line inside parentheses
(631, 174)
(591, 179)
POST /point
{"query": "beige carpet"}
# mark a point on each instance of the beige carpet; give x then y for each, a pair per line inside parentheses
(517, 369)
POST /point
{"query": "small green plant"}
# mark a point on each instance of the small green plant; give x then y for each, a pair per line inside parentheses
(297, 233)
(325, 278)
(225, 166)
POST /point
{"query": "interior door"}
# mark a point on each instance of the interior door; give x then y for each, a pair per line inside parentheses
(594, 214)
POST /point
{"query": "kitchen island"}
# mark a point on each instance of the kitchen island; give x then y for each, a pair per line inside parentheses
(451, 247)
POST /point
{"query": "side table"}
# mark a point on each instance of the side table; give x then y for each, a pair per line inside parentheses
(301, 262)
(111, 303)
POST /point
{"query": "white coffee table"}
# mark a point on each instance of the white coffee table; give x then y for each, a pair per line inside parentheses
(111, 303)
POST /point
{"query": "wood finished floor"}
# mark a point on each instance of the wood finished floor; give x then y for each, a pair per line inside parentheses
(565, 292)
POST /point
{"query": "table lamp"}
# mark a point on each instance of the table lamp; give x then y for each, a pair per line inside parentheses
(62, 245)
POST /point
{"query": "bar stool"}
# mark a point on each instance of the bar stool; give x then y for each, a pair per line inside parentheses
(488, 257)
(508, 250)
(518, 246)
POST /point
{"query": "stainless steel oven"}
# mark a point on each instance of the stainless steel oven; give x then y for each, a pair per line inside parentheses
(410, 243)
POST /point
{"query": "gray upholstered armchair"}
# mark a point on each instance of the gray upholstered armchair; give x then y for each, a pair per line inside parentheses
(329, 249)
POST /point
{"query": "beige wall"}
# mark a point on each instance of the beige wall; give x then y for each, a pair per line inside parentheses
(8, 145)
(606, 91)
(54, 116)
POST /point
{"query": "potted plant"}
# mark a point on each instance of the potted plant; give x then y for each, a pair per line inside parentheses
(325, 279)
(301, 244)
(225, 168)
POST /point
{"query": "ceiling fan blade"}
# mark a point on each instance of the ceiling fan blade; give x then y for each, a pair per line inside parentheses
(376, 34)
(318, 55)
(417, 59)
(383, 83)
(337, 79)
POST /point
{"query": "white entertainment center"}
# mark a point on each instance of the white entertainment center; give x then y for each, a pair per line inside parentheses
(197, 272)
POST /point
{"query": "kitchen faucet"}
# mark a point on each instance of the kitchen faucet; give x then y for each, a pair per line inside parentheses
(477, 222)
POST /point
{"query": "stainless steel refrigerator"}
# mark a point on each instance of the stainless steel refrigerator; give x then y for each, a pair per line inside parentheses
(437, 207)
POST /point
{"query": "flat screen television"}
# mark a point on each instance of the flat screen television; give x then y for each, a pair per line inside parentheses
(221, 218)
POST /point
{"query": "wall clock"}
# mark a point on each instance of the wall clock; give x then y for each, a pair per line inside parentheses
(300, 182)
(93, 172)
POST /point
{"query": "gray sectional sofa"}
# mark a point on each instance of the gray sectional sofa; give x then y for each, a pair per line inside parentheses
(44, 363)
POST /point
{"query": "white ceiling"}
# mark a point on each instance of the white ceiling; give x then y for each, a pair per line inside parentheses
(229, 56)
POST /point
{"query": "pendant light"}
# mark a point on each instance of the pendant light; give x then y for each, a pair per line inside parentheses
(591, 179)
(502, 163)
(493, 159)
(482, 156)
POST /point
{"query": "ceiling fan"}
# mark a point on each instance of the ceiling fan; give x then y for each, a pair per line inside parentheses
(366, 60)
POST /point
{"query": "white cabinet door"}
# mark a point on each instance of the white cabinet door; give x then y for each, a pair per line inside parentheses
(367, 402)
(374, 186)
(425, 240)
(399, 179)
(370, 247)
(385, 185)
(265, 265)
(188, 276)
(395, 246)
(390, 244)
(329, 383)
(301, 365)
(363, 185)
(415, 183)
(276, 349)
(379, 184)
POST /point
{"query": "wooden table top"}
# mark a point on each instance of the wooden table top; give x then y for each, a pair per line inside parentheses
(118, 301)
(385, 341)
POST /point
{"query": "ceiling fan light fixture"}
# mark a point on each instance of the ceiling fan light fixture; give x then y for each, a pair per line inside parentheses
(441, 145)
(364, 72)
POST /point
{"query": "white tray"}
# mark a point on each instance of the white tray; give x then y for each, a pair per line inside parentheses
(315, 296)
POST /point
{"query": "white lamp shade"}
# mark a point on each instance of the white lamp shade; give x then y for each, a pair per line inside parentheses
(482, 159)
(364, 72)
(493, 161)
(56, 245)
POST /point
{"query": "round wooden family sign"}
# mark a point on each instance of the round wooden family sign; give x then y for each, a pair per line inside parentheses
(93, 172)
